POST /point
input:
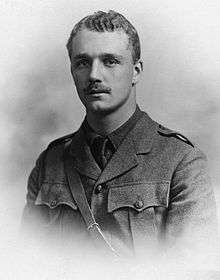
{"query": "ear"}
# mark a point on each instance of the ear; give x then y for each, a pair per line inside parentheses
(137, 71)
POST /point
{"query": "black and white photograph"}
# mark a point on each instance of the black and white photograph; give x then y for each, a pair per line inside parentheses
(110, 148)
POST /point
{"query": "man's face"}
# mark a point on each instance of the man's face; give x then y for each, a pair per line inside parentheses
(103, 70)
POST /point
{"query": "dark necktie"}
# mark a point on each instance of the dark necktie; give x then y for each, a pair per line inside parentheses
(100, 150)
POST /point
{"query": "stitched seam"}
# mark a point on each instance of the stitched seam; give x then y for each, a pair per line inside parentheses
(59, 203)
(165, 182)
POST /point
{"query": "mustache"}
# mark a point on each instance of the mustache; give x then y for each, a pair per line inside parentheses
(95, 87)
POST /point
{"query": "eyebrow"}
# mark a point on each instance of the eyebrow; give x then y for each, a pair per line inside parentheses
(78, 56)
(112, 55)
(84, 55)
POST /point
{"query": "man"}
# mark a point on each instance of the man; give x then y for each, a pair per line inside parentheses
(122, 179)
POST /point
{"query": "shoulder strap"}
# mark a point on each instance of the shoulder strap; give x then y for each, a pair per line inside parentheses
(171, 133)
(78, 194)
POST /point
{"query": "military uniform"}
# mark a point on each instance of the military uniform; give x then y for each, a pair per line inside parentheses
(153, 191)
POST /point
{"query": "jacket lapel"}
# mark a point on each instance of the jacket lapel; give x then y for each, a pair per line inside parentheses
(122, 160)
(82, 156)
(138, 141)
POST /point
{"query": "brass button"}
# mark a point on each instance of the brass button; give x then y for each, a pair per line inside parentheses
(53, 203)
(98, 189)
(139, 204)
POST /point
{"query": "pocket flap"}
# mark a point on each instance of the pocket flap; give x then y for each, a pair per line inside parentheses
(54, 194)
(139, 195)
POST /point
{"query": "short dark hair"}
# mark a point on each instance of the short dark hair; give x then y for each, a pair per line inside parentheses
(101, 21)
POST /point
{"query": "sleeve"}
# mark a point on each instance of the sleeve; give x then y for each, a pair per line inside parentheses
(30, 212)
(191, 219)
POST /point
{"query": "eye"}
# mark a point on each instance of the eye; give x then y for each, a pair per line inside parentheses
(82, 63)
(109, 61)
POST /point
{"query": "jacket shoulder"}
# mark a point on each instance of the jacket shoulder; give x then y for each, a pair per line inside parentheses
(61, 140)
(168, 133)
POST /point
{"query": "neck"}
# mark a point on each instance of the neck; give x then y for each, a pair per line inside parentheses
(104, 124)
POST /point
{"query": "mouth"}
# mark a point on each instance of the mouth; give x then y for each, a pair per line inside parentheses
(97, 91)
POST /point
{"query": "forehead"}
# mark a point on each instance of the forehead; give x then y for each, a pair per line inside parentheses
(93, 42)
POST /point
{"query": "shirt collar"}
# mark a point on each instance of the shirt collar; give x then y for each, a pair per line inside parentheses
(117, 135)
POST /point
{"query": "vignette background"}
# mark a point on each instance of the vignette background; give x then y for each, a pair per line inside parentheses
(38, 101)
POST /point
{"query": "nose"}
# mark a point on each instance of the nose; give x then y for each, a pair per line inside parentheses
(95, 73)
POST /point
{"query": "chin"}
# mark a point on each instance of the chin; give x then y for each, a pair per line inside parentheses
(99, 109)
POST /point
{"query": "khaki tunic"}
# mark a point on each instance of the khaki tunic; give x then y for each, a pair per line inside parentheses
(154, 192)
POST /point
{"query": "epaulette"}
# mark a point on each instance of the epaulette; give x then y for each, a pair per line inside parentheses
(171, 133)
(61, 140)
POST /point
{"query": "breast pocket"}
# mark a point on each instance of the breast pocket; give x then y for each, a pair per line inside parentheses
(57, 218)
(51, 200)
(146, 204)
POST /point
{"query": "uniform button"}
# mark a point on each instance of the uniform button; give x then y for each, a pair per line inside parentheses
(53, 203)
(98, 189)
(139, 204)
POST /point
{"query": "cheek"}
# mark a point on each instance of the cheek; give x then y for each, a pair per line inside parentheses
(78, 79)
(123, 78)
